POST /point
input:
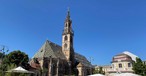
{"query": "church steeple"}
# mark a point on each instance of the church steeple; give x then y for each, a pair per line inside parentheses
(68, 24)
(67, 38)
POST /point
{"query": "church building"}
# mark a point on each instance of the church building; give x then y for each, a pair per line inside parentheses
(55, 60)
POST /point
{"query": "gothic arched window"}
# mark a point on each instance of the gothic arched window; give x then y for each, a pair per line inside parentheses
(65, 38)
(120, 65)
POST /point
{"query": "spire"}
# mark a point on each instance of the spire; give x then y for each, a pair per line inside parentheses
(68, 24)
(68, 14)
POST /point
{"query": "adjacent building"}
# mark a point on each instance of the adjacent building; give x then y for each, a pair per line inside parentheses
(121, 63)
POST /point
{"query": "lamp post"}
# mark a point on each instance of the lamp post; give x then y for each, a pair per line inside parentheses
(3, 49)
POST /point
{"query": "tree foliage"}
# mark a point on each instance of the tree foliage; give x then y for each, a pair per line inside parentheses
(139, 67)
(18, 58)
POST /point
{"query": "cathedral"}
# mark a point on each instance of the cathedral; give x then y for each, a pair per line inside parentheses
(55, 60)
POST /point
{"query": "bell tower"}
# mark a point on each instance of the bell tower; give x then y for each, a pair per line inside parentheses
(67, 38)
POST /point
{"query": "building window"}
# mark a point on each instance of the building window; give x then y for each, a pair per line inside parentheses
(120, 65)
(65, 38)
(129, 64)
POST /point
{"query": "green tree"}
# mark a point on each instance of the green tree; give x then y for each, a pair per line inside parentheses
(101, 70)
(139, 67)
(18, 58)
(12, 60)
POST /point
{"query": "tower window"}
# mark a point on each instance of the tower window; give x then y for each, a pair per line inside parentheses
(120, 65)
(65, 38)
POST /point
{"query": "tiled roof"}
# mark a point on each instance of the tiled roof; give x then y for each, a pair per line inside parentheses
(82, 59)
(50, 49)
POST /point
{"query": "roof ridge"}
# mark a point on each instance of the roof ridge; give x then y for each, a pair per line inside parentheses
(47, 41)
(54, 43)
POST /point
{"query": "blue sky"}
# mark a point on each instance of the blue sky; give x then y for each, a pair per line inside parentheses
(103, 28)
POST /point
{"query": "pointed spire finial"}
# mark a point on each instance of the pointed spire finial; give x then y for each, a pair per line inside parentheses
(68, 13)
(68, 9)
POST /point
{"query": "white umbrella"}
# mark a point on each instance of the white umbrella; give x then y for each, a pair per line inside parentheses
(96, 75)
(19, 70)
(126, 74)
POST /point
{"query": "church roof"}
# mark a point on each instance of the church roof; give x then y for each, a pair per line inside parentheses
(55, 51)
(82, 59)
(50, 49)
